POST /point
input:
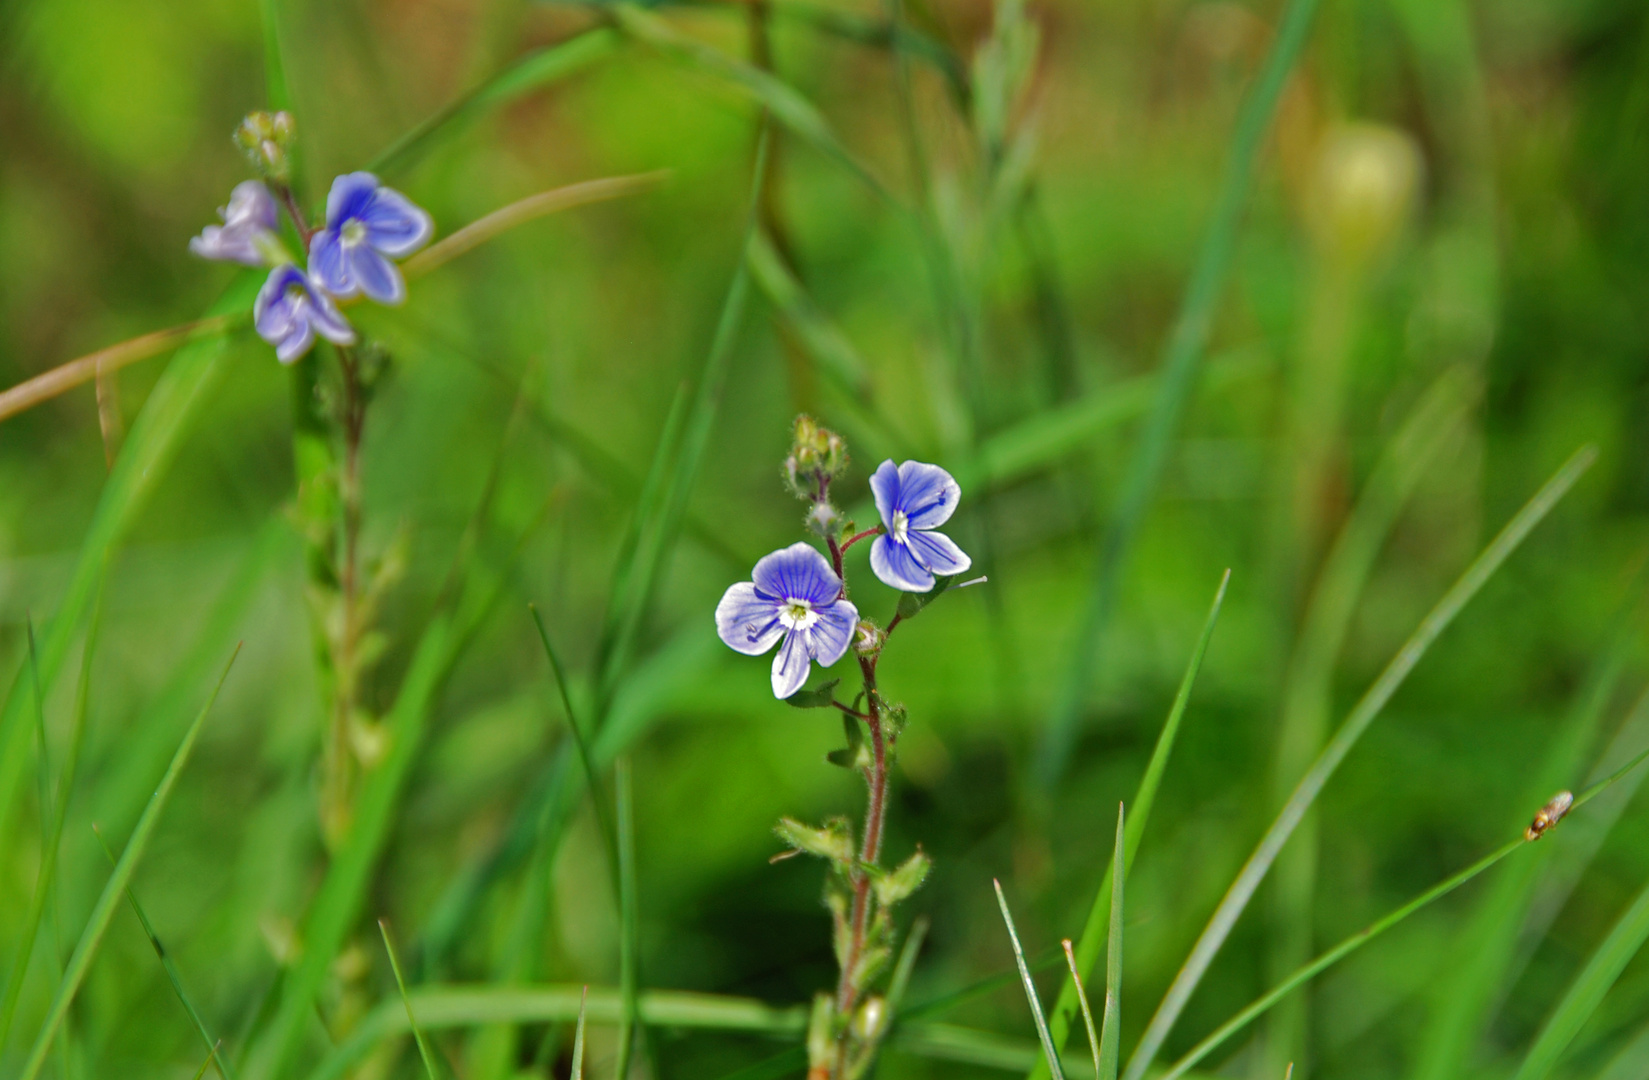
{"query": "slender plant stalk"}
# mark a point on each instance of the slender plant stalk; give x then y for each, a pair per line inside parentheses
(1082, 999)
(1110, 1041)
(424, 1050)
(1051, 1054)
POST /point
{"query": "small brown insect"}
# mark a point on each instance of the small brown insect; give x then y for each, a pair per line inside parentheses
(1549, 815)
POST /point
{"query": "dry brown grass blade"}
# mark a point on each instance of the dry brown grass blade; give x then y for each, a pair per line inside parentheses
(47, 385)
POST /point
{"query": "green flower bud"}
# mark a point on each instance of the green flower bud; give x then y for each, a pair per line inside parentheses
(266, 140)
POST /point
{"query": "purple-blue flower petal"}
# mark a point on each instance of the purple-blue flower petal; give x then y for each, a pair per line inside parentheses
(250, 215)
(251, 204)
(376, 275)
(289, 310)
(884, 485)
(746, 621)
(395, 225)
(829, 638)
(329, 264)
(927, 494)
(938, 552)
(798, 572)
(893, 563)
(351, 194)
(790, 665)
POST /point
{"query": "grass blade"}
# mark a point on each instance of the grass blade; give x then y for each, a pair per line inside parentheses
(1375, 929)
(1082, 999)
(628, 960)
(1584, 995)
(578, 1036)
(59, 810)
(75, 972)
(1482, 968)
(535, 70)
(1110, 1041)
(144, 459)
(212, 1045)
(1097, 927)
(1361, 716)
(1048, 1050)
(592, 775)
(1181, 363)
(424, 1050)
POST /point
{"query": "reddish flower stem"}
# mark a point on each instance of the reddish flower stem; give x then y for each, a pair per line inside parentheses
(860, 536)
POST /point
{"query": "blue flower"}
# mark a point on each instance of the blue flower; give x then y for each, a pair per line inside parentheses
(914, 499)
(795, 596)
(366, 226)
(247, 234)
(290, 311)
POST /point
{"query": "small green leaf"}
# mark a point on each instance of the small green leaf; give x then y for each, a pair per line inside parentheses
(904, 879)
(822, 697)
(912, 603)
(833, 842)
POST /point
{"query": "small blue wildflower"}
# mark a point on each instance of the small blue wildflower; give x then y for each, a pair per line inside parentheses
(247, 234)
(366, 226)
(914, 499)
(796, 596)
(290, 310)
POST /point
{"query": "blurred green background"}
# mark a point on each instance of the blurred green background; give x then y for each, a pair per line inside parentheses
(1443, 265)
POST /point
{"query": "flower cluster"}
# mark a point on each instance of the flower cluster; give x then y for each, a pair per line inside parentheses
(797, 599)
(367, 227)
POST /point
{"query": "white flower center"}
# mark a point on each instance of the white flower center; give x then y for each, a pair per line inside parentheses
(797, 614)
(901, 526)
(352, 233)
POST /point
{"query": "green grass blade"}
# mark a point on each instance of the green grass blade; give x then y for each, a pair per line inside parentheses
(211, 1056)
(75, 972)
(424, 1050)
(172, 975)
(1631, 1062)
(1110, 1041)
(59, 811)
(1307, 700)
(592, 775)
(1181, 363)
(1082, 999)
(1361, 716)
(1048, 1050)
(144, 459)
(578, 1036)
(1480, 969)
(884, 33)
(659, 537)
(1097, 928)
(1584, 995)
(534, 71)
(1331, 957)
(276, 86)
(628, 959)
(902, 968)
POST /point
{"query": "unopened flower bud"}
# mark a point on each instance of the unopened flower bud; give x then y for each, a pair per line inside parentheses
(817, 455)
(870, 1019)
(266, 139)
(824, 519)
(868, 638)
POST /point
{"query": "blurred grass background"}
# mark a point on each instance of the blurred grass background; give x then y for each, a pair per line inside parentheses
(1449, 192)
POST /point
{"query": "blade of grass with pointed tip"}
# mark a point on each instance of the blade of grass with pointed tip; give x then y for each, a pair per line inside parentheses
(211, 1056)
(1362, 715)
(1181, 362)
(592, 775)
(1110, 1040)
(578, 1037)
(98, 922)
(1082, 999)
(424, 1050)
(1375, 929)
(628, 959)
(59, 811)
(1097, 928)
(1050, 1054)
(172, 975)
(1584, 995)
